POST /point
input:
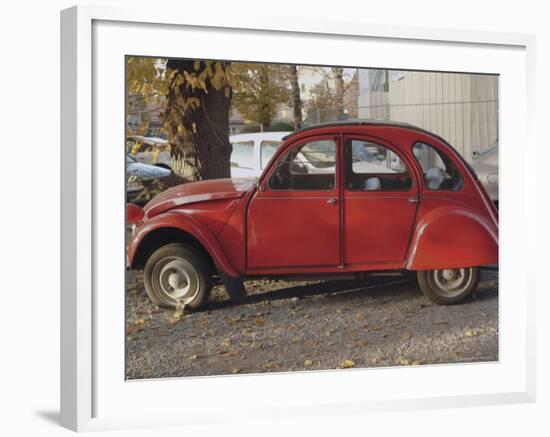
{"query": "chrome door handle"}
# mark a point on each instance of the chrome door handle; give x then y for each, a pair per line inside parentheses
(412, 199)
(331, 201)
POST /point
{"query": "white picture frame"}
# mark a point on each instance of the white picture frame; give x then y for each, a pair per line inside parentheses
(92, 217)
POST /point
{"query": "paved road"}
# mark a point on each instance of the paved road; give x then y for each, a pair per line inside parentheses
(297, 326)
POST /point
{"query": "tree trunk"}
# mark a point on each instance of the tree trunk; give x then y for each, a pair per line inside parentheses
(198, 136)
(264, 116)
(296, 98)
(339, 91)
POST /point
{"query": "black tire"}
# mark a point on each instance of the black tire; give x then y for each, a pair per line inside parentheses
(183, 267)
(449, 286)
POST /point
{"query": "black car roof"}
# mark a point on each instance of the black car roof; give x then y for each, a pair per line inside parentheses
(367, 122)
(353, 122)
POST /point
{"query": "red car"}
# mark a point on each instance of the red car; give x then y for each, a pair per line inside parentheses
(337, 200)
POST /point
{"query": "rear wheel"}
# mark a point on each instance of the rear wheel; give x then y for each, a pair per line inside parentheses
(448, 286)
(177, 274)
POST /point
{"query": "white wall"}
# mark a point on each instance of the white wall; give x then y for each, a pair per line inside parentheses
(462, 108)
(29, 79)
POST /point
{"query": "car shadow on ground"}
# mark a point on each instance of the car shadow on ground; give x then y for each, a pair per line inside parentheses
(340, 289)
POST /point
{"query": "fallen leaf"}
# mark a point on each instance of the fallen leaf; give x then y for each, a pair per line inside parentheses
(226, 342)
(178, 314)
(235, 371)
(204, 324)
(471, 333)
(404, 361)
(406, 335)
(260, 322)
(139, 322)
(194, 357)
(376, 328)
(308, 363)
(271, 365)
(347, 364)
(130, 330)
(415, 363)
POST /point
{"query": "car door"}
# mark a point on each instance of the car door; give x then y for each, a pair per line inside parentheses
(294, 218)
(380, 203)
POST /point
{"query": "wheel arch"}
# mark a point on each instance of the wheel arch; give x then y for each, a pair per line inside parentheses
(452, 237)
(160, 237)
(177, 227)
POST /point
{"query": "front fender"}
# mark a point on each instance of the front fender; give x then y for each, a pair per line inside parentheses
(452, 237)
(179, 220)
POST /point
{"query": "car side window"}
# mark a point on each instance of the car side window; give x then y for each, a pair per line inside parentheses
(373, 167)
(243, 154)
(440, 173)
(307, 167)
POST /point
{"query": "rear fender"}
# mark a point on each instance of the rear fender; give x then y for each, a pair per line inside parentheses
(452, 237)
(186, 223)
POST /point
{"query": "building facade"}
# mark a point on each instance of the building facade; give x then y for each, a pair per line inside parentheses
(462, 108)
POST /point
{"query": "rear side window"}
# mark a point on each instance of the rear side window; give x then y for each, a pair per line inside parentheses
(440, 173)
(307, 167)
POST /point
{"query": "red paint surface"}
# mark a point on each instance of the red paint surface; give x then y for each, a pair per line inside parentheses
(250, 231)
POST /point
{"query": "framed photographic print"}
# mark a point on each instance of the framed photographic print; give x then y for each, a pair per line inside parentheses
(291, 218)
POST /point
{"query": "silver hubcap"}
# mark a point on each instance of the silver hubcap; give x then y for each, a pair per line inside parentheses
(177, 280)
(452, 282)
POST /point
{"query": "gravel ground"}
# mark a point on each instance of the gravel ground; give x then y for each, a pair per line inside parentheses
(296, 326)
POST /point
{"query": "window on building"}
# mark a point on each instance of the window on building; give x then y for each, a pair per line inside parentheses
(309, 166)
(373, 167)
(440, 173)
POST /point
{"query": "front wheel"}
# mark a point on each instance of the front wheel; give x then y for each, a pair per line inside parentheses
(448, 286)
(177, 274)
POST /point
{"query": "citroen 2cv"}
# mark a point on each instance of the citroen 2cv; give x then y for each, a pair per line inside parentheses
(339, 200)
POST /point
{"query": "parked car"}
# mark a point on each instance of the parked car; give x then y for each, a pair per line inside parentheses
(252, 152)
(323, 209)
(139, 174)
(150, 150)
(485, 165)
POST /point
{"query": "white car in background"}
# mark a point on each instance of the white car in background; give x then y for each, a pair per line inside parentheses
(252, 152)
(149, 150)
